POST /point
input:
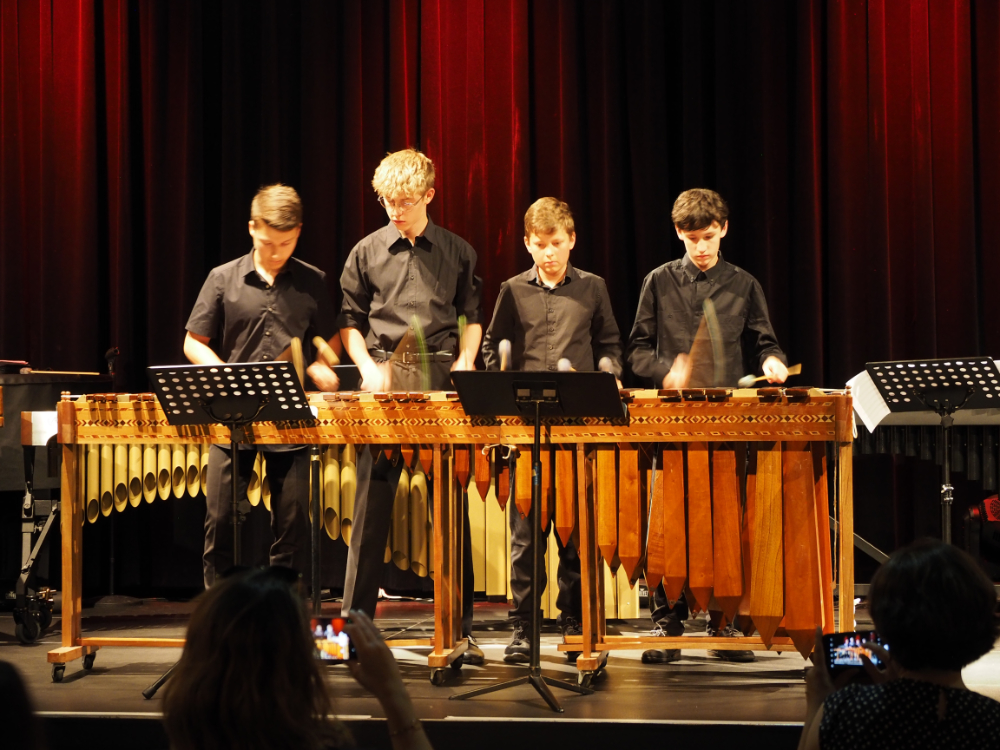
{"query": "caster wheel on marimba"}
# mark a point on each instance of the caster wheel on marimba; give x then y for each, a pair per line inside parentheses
(88, 661)
(438, 677)
(58, 670)
(583, 679)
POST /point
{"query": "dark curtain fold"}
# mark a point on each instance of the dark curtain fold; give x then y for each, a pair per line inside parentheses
(856, 142)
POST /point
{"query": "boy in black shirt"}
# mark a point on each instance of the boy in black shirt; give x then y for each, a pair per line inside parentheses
(251, 308)
(409, 273)
(549, 313)
(670, 312)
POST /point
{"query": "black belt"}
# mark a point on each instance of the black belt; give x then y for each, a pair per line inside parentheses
(413, 358)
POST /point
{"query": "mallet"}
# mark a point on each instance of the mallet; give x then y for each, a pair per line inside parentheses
(325, 351)
(748, 380)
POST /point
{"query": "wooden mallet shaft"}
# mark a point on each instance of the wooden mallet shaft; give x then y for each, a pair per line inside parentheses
(749, 380)
(325, 352)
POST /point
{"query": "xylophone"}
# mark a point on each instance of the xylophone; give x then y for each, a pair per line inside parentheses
(771, 563)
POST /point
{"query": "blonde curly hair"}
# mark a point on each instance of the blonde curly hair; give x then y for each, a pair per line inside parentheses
(406, 173)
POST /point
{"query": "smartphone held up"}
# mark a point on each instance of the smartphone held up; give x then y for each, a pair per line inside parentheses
(333, 645)
(843, 651)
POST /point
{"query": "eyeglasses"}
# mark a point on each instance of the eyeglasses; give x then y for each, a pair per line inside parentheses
(402, 207)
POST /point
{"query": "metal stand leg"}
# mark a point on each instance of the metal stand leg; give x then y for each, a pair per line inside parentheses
(534, 677)
(149, 692)
(947, 491)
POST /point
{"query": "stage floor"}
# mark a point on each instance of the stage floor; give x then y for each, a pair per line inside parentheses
(696, 692)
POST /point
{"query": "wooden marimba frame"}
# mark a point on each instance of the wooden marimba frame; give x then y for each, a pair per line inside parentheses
(767, 559)
(596, 488)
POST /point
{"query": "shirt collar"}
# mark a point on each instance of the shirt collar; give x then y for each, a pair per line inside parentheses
(692, 271)
(245, 267)
(533, 278)
(431, 235)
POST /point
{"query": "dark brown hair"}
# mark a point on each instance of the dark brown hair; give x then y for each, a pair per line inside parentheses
(934, 606)
(248, 677)
(698, 208)
(278, 206)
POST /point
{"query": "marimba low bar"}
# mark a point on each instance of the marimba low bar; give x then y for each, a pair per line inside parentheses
(684, 523)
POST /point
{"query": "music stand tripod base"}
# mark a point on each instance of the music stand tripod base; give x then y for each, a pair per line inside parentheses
(235, 395)
(530, 395)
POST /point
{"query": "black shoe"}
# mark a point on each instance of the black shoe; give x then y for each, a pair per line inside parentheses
(664, 655)
(571, 626)
(473, 654)
(742, 656)
(518, 651)
(661, 655)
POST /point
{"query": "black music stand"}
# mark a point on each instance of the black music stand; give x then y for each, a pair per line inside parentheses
(943, 386)
(561, 397)
(236, 395)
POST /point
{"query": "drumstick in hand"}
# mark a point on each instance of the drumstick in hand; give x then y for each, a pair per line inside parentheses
(748, 380)
(504, 354)
(297, 362)
(325, 351)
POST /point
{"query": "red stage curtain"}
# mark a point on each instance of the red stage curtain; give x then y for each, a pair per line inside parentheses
(856, 142)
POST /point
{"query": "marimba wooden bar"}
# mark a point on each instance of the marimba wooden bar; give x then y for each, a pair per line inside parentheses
(768, 558)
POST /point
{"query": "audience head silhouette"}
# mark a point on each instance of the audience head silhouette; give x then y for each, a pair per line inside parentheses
(248, 677)
(934, 607)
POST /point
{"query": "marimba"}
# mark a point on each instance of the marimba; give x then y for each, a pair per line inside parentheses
(684, 524)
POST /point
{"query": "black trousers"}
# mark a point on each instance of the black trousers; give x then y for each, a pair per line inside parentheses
(671, 615)
(522, 568)
(376, 493)
(288, 477)
(666, 614)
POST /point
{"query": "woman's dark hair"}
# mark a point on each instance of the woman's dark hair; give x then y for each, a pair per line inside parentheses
(934, 607)
(248, 677)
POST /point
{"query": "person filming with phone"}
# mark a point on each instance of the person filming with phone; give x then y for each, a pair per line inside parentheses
(935, 613)
(249, 676)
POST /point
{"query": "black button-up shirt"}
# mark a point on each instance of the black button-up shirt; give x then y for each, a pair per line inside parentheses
(387, 283)
(253, 321)
(544, 324)
(670, 311)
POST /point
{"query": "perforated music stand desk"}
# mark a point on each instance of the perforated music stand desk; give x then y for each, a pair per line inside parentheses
(234, 395)
(942, 386)
(532, 396)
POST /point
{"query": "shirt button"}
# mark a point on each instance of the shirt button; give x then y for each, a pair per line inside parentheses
(552, 367)
(550, 347)
(268, 333)
(266, 357)
(270, 309)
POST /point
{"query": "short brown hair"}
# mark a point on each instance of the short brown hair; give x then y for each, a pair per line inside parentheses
(698, 208)
(548, 215)
(404, 173)
(933, 590)
(278, 206)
